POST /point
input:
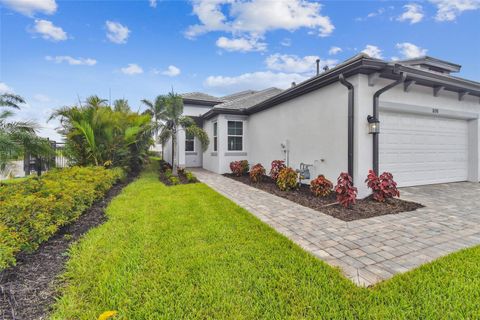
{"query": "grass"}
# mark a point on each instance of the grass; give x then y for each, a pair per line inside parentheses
(187, 252)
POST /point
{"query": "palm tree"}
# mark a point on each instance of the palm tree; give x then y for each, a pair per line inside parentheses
(17, 137)
(156, 110)
(121, 105)
(169, 112)
(97, 134)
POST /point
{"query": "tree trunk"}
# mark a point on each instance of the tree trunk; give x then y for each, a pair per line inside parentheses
(174, 154)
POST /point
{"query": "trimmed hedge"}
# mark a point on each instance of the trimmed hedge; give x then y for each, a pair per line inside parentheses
(32, 211)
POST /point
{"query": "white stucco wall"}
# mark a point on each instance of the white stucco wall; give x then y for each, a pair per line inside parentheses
(417, 96)
(194, 110)
(210, 158)
(315, 126)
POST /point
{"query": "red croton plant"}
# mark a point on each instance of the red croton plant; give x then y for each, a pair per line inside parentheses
(257, 172)
(383, 187)
(345, 191)
(239, 168)
(277, 166)
(321, 186)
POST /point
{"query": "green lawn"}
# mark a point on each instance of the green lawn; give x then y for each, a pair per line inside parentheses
(187, 252)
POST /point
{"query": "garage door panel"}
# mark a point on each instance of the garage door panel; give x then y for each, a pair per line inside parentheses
(423, 149)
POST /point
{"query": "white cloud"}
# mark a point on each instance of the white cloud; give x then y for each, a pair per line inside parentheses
(30, 7)
(373, 14)
(373, 51)
(409, 50)
(42, 98)
(257, 17)
(295, 64)
(171, 71)
(255, 80)
(241, 44)
(153, 3)
(449, 10)
(334, 50)
(72, 61)
(116, 32)
(49, 31)
(132, 69)
(287, 42)
(413, 13)
(4, 88)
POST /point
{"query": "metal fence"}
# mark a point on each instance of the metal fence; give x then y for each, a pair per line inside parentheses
(38, 164)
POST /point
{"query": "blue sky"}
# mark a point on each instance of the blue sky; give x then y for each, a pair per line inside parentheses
(55, 52)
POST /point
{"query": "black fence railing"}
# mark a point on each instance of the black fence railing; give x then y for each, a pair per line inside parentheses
(38, 164)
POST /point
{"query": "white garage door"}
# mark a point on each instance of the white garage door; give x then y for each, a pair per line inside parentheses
(420, 149)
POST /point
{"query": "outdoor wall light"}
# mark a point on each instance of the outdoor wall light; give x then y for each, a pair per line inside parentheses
(373, 125)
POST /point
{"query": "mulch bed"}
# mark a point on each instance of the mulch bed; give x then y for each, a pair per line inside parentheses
(28, 289)
(364, 208)
(164, 166)
(181, 176)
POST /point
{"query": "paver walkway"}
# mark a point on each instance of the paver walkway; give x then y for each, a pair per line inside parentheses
(374, 249)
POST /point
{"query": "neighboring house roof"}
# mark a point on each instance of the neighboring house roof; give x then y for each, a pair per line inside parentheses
(200, 98)
(238, 95)
(433, 64)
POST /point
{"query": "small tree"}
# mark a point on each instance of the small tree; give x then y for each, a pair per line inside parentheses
(168, 114)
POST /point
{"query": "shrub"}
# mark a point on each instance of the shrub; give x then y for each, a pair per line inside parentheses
(287, 179)
(345, 191)
(257, 172)
(174, 180)
(239, 168)
(31, 212)
(277, 166)
(190, 177)
(383, 187)
(321, 186)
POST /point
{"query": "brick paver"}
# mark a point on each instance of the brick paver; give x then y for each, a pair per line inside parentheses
(370, 250)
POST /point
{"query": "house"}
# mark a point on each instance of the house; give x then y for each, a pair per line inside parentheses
(413, 118)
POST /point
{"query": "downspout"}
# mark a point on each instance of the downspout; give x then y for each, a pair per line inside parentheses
(351, 134)
(376, 98)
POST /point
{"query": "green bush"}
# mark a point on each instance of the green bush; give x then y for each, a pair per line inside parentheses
(174, 180)
(191, 177)
(32, 211)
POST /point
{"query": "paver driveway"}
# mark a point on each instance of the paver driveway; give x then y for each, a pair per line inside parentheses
(374, 249)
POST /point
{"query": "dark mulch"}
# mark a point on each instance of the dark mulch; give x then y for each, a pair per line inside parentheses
(28, 289)
(164, 166)
(364, 208)
(181, 176)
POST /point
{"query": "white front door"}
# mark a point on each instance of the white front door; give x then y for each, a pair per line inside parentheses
(422, 149)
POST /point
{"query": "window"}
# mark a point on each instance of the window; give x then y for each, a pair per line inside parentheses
(214, 136)
(189, 142)
(235, 135)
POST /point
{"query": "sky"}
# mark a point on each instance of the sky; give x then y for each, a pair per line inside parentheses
(56, 53)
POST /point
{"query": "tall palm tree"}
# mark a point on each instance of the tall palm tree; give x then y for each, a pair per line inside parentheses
(156, 110)
(170, 113)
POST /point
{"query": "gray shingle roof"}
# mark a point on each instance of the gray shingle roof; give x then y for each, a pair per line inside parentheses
(200, 96)
(238, 95)
(249, 100)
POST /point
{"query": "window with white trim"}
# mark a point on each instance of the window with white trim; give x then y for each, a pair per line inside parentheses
(235, 135)
(189, 142)
(215, 141)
